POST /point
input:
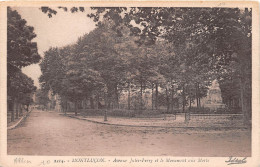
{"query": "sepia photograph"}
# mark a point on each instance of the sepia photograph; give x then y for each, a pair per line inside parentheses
(130, 84)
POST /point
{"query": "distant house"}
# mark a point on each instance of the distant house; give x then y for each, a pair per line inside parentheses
(54, 103)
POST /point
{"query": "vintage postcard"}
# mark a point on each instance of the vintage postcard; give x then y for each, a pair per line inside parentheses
(129, 83)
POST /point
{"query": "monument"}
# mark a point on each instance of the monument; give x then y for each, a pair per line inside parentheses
(213, 99)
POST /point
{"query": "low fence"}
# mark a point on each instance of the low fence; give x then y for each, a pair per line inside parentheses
(156, 118)
(216, 116)
(156, 114)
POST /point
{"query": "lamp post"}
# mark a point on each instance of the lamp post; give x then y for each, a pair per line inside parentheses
(105, 99)
(105, 116)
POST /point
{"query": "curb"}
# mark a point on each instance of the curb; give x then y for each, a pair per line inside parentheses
(20, 120)
(152, 126)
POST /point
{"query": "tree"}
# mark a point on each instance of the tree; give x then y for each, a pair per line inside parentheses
(19, 89)
(21, 52)
(42, 97)
(64, 74)
(231, 97)
(204, 40)
(222, 32)
(99, 54)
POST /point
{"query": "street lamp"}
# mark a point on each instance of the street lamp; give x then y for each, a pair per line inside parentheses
(105, 116)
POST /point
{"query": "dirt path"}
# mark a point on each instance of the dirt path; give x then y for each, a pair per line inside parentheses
(49, 133)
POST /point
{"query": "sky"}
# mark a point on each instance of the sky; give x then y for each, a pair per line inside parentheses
(60, 30)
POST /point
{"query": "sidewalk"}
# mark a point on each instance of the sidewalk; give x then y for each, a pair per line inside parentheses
(224, 121)
(16, 122)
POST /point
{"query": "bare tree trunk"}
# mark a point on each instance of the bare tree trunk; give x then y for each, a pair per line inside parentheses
(172, 94)
(177, 100)
(97, 101)
(184, 104)
(84, 104)
(243, 102)
(16, 110)
(76, 108)
(106, 104)
(152, 97)
(91, 102)
(129, 96)
(188, 114)
(21, 110)
(156, 96)
(66, 107)
(197, 94)
(190, 97)
(190, 104)
(141, 98)
(183, 99)
(106, 100)
(167, 100)
(12, 110)
(172, 102)
(116, 97)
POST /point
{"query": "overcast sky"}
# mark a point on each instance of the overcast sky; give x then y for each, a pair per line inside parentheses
(60, 30)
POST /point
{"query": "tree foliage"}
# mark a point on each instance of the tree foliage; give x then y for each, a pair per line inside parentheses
(198, 46)
(21, 52)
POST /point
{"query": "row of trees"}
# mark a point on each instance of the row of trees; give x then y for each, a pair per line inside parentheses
(177, 50)
(103, 64)
(21, 52)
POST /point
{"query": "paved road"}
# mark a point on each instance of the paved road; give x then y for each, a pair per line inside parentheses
(50, 133)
